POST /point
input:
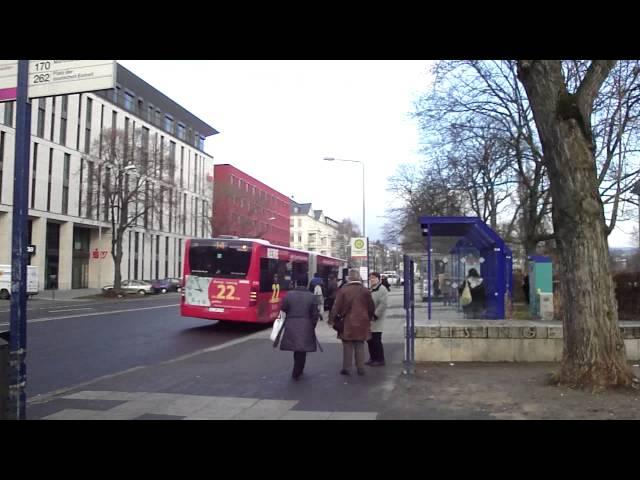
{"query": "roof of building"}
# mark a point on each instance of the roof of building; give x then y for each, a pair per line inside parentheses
(317, 214)
(152, 96)
(303, 208)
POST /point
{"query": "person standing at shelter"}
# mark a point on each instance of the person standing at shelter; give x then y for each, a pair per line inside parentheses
(354, 309)
(476, 284)
(379, 294)
(299, 335)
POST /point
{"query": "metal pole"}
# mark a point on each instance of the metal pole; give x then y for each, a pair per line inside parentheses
(429, 268)
(18, 321)
(364, 231)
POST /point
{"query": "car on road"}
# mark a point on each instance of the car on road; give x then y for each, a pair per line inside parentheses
(165, 285)
(140, 287)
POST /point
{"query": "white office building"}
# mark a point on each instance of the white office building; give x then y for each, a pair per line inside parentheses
(67, 219)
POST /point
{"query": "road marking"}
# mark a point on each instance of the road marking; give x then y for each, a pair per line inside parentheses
(38, 320)
(71, 309)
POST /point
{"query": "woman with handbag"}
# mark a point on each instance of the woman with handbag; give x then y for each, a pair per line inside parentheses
(474, 283)
(351, 316)
(380, 298)
(299, 330)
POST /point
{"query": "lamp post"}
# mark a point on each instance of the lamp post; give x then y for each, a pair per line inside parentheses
(364, 232)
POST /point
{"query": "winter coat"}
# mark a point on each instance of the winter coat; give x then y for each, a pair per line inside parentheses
(329, 300)
(380, 298)
(301, 318)
(478, 293)
(354, 300)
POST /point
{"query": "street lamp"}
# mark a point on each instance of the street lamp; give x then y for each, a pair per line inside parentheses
(364, 232)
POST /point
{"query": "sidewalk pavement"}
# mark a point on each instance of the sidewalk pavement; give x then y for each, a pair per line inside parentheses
(248, 379)
(71, 294)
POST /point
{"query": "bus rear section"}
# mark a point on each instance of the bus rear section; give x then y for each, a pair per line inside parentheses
(218, 281)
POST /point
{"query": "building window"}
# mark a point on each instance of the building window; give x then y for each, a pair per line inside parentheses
(292, 222)
(144, 141)
(65, 183)
(136, 248)
(90, 175)
(79, 117)
(41, 112)
(64, 108)
(53, 118)
(299, 238)
(292, 238)
(101, 130)
(166, 257)
(49, 180)
(157, 256)
(181, 132)
(168, 124)
(34, 174)
(200, 140)
(80, 187)
(181, 167)
(128, 101)
(172, 161)
(299, 223)
(8, 113)
(184, 215)
(107, 180)
(87, 127)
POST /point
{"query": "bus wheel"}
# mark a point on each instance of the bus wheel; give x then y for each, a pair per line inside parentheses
(4, 294)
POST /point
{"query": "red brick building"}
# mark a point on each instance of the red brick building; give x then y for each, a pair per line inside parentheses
(246, 207)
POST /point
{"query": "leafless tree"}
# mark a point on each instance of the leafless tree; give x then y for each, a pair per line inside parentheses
(594, 352)
(482, 101)
(133, 181)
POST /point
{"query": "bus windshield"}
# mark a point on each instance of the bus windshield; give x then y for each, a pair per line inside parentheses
(210, 261)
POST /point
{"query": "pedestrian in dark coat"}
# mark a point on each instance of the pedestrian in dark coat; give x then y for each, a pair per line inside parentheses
(355, 305)
(299, 334)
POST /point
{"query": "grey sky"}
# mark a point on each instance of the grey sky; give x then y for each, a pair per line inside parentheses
(278, 119)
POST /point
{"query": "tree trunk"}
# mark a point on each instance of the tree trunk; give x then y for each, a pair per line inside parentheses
(116, 253)
(594, 352)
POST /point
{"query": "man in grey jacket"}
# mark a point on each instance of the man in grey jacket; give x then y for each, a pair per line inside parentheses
(379, 294)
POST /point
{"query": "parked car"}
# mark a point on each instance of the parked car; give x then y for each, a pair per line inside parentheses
(165, 285)
(141, 287)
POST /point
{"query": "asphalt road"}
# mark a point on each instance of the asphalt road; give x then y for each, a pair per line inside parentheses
(75, 341)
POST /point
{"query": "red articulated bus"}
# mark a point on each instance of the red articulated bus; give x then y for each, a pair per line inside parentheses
(244, 279)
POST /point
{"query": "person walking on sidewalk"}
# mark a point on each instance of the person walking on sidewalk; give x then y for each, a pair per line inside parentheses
(353, 309)
(332, 291)
(380, 300)
(299, 334)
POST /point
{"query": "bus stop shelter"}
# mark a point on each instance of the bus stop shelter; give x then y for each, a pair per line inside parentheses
(495, 258)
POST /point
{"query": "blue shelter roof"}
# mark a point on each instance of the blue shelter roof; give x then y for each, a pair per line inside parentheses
(472, 229)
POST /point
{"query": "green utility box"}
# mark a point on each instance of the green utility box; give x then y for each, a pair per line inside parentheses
(540, 281)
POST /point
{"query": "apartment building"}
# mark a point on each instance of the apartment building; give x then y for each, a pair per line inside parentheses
(314, 231)
(68, 222)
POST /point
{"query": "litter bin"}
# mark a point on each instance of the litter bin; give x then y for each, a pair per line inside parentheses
(4, 375)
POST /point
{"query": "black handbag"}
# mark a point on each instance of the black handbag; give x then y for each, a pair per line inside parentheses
(338, 323)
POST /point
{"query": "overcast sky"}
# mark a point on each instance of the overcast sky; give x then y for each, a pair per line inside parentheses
(278, 119)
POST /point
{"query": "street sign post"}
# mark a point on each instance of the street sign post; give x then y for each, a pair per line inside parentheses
(57, 77)
(36, 78)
